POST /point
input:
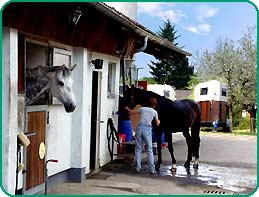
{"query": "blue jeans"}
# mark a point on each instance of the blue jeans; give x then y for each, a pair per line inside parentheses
(144, 133)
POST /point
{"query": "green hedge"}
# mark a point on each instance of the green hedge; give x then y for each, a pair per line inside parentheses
(244, 123)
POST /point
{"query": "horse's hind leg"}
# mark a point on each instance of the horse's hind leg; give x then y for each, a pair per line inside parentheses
(171, 150)
(159, 153)
(195, 130)
(188, 139)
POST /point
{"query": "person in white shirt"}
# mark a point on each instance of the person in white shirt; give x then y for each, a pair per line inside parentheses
(144, 133)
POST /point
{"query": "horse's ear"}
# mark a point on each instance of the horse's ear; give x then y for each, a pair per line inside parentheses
(72, 67)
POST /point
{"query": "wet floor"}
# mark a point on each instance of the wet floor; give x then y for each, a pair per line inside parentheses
(228, 178)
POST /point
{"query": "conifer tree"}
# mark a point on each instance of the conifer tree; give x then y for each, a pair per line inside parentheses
(174, 71)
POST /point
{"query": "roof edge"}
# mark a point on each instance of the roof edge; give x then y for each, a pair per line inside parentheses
(135, 26)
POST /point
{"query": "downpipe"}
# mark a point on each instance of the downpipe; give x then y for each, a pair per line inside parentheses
(143, 47)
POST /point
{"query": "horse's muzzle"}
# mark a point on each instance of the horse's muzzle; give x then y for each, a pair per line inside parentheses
(69, 107)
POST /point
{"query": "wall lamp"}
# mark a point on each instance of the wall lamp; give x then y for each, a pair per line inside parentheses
(97, 63)
(75, 15)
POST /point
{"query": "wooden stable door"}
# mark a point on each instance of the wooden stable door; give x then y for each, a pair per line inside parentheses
(34, 165)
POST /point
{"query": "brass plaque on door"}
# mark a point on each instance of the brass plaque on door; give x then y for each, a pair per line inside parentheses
(42, 150)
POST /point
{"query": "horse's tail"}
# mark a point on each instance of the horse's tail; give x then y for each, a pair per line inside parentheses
(195, 131)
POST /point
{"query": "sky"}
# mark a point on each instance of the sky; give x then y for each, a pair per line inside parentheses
(199, 24)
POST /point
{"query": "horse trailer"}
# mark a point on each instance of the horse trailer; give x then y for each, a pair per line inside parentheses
(212, 98)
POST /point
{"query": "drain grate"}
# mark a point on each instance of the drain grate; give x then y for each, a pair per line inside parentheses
(214, 192)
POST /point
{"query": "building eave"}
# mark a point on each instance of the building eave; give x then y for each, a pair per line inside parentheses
(136, 27)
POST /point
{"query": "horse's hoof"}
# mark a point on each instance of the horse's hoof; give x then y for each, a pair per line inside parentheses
(196, 166)
(157, 167)
(187, 165)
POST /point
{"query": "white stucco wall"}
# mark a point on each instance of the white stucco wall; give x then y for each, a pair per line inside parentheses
(68, 135)
(81, 124)
(72, 130)
(9, 107)
(58, 139)
(108, 105)
(214, 91)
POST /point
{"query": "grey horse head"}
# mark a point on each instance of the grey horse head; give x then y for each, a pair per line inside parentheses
(57, 80)
(60, 86)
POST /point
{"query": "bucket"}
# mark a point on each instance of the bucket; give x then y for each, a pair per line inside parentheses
(125, 128)
(122, 137)
(163, 144)
(162, 137)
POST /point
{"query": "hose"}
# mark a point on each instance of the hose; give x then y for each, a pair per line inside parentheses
(112, 137)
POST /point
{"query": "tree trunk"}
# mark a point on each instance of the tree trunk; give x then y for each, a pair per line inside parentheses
(252, 120)
(230, 118)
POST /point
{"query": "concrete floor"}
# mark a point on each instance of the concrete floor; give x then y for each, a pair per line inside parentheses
(121, 179)
(222, 157)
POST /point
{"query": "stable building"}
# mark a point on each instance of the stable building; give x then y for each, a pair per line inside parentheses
(52, 34)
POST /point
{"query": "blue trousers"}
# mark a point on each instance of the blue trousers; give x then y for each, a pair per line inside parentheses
(144, 133)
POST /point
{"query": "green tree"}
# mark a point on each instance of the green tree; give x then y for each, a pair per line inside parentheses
(168, 32)
(174, 71)
(194, 81)
(149, 80)
(235, 64)
(247, 74)
(221, 65)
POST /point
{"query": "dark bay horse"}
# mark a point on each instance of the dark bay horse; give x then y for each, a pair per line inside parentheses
(175, 116)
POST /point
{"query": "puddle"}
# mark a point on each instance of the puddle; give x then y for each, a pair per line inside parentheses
(229, 178)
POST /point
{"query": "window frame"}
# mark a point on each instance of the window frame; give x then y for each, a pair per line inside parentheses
(56, 50)
(52, 49)
(204, 89)
(111, 79)
(223, 90)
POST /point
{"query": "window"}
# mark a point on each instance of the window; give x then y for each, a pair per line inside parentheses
(35, 54)
(223, 92)
(43, 54)
(111, 80)
(167, 94)
(60, 57)
(204, 91)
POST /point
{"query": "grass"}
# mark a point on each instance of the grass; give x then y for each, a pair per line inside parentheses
(243, 132)
(234, 132)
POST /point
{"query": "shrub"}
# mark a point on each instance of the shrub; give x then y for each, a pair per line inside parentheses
(244, 123)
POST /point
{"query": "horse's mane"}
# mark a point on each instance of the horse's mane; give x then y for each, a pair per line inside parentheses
(39, 72)
(36, 72)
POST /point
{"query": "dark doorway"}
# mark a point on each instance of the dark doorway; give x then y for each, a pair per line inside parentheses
(95, 86)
